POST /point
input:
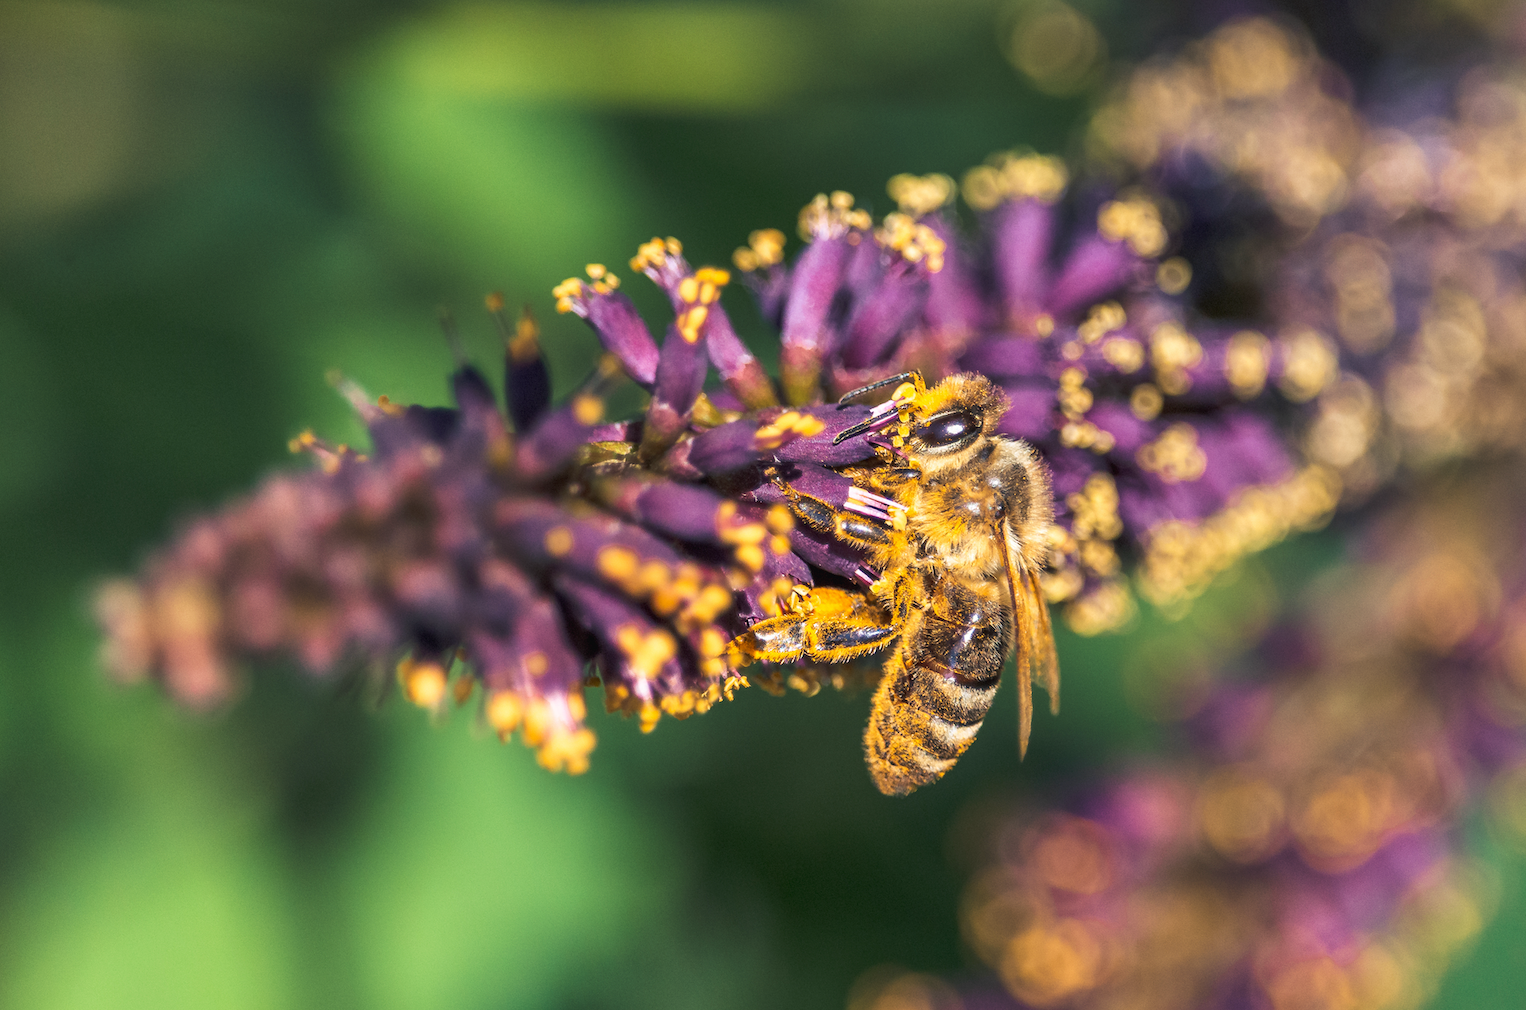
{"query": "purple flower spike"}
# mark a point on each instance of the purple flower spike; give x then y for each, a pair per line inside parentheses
(615, 320)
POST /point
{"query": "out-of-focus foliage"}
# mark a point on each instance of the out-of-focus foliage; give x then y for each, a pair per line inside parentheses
(203, 209)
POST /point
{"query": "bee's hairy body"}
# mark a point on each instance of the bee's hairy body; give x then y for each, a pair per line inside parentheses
(958, 587)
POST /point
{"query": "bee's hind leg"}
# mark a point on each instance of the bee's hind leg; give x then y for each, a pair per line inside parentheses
(827, 625)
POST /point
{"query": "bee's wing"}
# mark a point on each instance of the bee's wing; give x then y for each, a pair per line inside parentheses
(1035, 641)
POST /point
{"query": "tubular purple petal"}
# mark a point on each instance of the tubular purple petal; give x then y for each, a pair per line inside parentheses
(1094, 268)
(807, 330)
(1022, 236)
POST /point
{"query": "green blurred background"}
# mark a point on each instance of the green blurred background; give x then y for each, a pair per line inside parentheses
(207, 206)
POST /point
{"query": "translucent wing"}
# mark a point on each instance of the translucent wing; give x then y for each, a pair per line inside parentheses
(1035, 641)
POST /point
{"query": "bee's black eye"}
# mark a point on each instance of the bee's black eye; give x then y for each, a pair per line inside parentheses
(947, 429)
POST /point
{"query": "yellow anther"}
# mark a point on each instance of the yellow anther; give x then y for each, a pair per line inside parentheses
(688, 289)
(618, 564)
(715, 277)
(711, 602)
(1015, 176)
(1172, 351)
(1044, 325)
(654, 575)
(1309, 364)
(750, 557)
(1246, 363)
(1173, 275)
(649, 256)
(778, 519)
(1135, 221)
(921, 194)
(525, 344)
(423, 683)
(567, 294)
(1102, 320)
(913, 241)
(712, 643)
(567, 750)
(536, 663)
(558, 541)
(1146, 402)
(596, 270)
(748, 533)
(650, 715)
(787, 426)
(504, 712)
(1124, 353)
(764, 249)
(1095, 509)
(832, 217)
(587, 409)
(1175, 456)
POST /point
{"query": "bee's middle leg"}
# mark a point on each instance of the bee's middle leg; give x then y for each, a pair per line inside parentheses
(844, 525)
(828, 625)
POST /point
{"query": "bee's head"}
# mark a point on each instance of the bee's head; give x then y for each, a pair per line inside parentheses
(953, 422)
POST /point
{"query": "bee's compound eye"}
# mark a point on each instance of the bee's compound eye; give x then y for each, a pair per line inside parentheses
(947, 429)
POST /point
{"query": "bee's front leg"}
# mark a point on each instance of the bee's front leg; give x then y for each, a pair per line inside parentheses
(828, 625)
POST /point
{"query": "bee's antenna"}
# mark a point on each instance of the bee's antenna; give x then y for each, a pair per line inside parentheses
(894, 380)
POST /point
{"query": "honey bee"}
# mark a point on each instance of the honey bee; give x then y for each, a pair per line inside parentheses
(953, 520)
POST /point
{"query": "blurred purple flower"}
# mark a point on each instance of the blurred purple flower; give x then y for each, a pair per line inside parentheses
(1308, 851)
